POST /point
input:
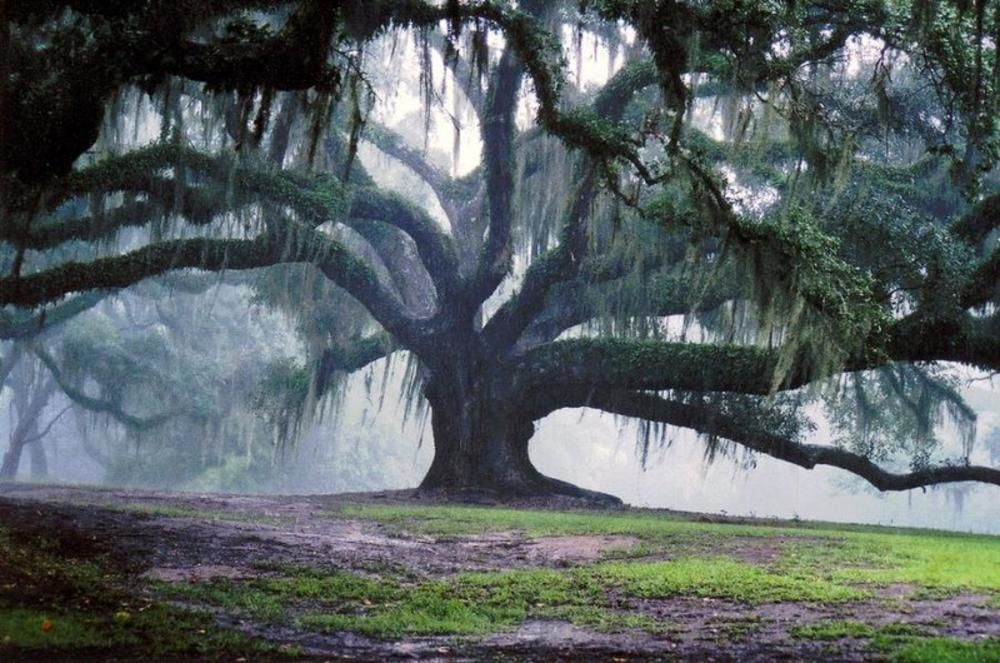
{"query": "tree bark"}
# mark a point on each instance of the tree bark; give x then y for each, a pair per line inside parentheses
(481, 439)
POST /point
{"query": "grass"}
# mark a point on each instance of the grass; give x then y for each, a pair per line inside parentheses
(838, 554)
(477, 603)
(947, 650)
(454, 521)
(808, 562)
(906, 643)
(720, 578)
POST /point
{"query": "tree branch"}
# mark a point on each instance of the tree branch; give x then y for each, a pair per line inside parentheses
(709, 420)
(499, 160)
(435, 248)
(350, 357)
(97, 405)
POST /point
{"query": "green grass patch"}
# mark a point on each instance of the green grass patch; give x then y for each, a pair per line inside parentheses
(476, 603)
(936, 562)
(455, 521)
(907, 643)
(946, 650)
(271, 599)
(720, 578)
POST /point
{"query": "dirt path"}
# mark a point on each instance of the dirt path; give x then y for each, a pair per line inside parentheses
(178, 537)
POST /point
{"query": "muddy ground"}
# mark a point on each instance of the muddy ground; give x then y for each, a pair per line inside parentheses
(156, 536)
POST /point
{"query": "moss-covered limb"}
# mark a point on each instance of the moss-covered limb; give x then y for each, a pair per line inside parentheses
(317, 199)
(637, 364)
(959, 338)
(499, 161)
(99, 405)
(22, 327)
(124, 270)
(980, 221)
(713, 421)
(578, 302)
(983, 286)
(351, 356)
(198, 207)
(564, 261)
(437, 252)
(634, 76)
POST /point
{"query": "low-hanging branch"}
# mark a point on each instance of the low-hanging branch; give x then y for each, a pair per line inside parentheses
(709, 420)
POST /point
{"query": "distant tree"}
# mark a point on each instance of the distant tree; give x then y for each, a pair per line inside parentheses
(841, 221)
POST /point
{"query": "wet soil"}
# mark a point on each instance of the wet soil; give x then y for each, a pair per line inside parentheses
(182, 537)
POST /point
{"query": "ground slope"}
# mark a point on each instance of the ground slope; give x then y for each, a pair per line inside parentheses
(106, 574)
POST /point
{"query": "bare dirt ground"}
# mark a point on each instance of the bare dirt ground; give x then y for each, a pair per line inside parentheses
(157, 536)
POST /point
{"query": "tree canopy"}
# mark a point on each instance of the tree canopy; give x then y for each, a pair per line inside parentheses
(760, 206)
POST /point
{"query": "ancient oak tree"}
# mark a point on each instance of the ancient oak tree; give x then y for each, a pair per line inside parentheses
(754, 200)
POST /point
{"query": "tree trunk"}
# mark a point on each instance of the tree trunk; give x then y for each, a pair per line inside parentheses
(481, 442)
(12, 458)
(39, 460)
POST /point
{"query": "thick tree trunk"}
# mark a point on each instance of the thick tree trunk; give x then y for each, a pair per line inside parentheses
(481, 443)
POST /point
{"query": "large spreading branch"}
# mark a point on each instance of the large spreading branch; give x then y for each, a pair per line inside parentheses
(710, 420)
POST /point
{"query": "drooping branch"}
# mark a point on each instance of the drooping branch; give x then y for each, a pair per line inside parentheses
(351, 356)
(99, 405)
(709, 420)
